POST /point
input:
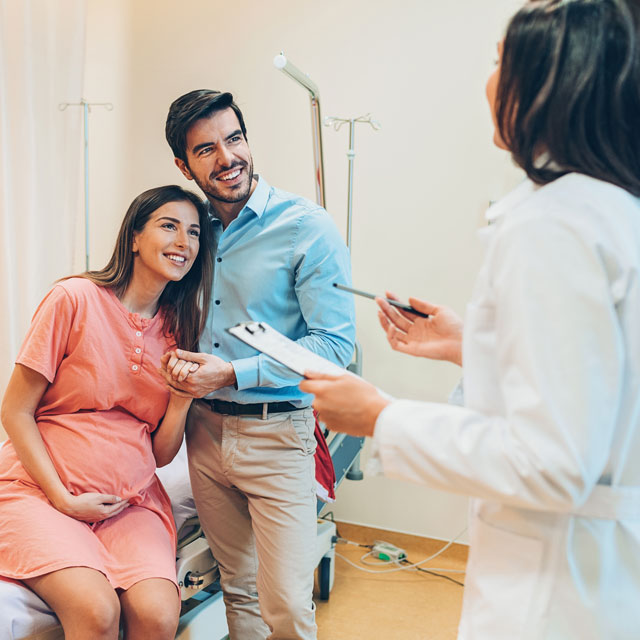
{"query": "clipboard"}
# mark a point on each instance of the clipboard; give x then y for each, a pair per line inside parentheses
(267, 340)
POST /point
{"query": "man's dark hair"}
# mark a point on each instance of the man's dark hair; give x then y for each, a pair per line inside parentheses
(568, 96)
(193, 106)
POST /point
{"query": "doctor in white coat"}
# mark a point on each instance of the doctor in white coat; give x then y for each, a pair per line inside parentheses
(548, 439)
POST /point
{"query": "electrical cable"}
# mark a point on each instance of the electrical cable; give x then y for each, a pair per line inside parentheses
(406, 564)
(439, 575)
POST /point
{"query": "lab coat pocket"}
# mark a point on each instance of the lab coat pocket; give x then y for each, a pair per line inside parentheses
(503, 576)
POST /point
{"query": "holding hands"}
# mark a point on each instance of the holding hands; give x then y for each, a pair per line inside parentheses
(194, 375)
(438, 337)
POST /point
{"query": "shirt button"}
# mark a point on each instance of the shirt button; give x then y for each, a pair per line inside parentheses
(138, 333)
(138, 350)
(135, 367)
(217, 301)
(218, 259)
(216, 344)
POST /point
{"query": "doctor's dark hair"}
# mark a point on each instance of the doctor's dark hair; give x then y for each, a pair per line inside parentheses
(185, 302)
(193, 106)
(568, 97)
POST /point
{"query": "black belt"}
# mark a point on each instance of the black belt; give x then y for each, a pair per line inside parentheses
(258, 409)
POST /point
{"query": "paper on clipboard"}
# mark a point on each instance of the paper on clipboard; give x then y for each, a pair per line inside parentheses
(264, 338)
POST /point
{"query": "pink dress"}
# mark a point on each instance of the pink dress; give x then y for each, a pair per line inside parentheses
(96, 417)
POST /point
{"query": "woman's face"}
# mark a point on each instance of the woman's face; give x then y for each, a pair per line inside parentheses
(492, 90)
(168, 244)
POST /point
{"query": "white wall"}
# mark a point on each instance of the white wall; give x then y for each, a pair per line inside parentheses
(421, 183)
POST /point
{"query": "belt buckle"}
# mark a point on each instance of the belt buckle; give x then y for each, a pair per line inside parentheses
(265, 410)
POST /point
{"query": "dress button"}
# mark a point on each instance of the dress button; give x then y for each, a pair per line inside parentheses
(135, 367)
(138, 333)
(138, 350)
(216, 344)
(217, 301)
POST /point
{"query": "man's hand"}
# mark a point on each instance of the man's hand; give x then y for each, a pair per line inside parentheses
(345, 403)
(91, 507)
(195, 375)
(438, 337)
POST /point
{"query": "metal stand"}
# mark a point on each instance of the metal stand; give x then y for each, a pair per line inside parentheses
(353, 472)
(344, 450)
(351, 154)
(281, 62)
(86, 108)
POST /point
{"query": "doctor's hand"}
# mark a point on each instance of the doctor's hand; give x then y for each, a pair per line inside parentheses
(186, 380)
(438, 337)
(91, 507)
(345, 403)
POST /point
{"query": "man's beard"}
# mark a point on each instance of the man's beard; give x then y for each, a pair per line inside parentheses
(238, 196)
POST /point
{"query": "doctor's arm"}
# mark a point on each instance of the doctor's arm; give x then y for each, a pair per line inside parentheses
(558, 368)
(24, 391)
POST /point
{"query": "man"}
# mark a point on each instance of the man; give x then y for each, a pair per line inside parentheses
(251, 437)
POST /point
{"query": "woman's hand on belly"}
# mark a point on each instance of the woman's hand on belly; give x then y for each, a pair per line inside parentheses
(91, 507)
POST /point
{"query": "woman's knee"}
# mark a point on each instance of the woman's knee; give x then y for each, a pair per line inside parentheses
(152, 610)
(96, 616)
(164, 624)
(84, 601)
(157, 623)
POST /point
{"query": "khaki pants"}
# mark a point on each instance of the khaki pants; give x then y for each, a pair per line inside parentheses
(254, 485)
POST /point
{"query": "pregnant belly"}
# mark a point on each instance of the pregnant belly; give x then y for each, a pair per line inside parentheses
(106, 452)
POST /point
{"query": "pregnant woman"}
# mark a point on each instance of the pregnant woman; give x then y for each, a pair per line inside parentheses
(84, 521)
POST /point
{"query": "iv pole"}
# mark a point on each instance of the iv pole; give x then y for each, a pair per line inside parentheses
(281, 62)
(351, 154)
(344, 450)
(86, 106)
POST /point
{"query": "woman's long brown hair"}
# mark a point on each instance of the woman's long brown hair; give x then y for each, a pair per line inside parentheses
(184, 303)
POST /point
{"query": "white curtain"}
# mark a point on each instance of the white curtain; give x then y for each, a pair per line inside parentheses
(42, 48)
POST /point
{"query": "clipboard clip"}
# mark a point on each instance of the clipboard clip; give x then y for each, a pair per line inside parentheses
(256, 326)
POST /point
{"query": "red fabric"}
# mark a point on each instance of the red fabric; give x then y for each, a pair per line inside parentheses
(325, 473)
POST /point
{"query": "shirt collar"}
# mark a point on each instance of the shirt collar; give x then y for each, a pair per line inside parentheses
(257, 202)
(511, 200)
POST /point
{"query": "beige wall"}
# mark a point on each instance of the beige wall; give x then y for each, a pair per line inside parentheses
(421, 183)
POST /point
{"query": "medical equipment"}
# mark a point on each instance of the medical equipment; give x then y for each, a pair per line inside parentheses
(387, 551)
(281, 62)
(344, 449)
(86, 106)
(351, 154)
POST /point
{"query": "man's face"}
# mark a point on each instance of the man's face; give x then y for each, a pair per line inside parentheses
(218, 158)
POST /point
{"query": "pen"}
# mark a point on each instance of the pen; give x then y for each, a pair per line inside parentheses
(395, 303)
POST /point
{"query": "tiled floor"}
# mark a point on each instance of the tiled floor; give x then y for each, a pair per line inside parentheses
(406, 605)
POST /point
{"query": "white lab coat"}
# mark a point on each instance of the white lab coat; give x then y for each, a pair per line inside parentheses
(548, 442)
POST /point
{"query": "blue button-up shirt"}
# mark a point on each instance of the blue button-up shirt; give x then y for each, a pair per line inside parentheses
(277, 262)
